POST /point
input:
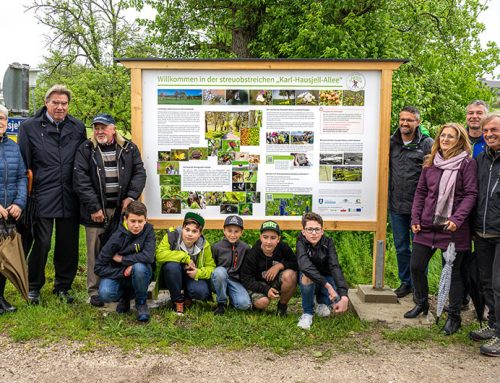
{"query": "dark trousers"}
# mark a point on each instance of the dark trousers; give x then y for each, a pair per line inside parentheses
(3, 280)
(402, 234)
(488, 262)
(176, 280)
(420, 258)
(65, 252)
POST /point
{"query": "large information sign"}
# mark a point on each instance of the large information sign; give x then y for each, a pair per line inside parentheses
(262, 144)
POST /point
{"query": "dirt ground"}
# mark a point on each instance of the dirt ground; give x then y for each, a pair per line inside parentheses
(375, 361)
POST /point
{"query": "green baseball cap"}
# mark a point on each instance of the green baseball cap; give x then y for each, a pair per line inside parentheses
(195, 217)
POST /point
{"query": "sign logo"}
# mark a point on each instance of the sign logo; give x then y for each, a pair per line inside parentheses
(356, 81)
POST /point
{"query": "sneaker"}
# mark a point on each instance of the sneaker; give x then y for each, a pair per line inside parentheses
(403, 290)
(484, 333)
(96, 301)
(281, 309)
(34, 297)
(305, 321)
(492, 347)
(323, 310)
(188, 302)
(220, 309)
(123, 306)
(179, 308)
(142, 312)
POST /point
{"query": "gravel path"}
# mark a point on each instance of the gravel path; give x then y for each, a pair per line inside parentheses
(377, 361)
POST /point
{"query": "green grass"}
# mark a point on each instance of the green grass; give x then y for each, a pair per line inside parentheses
(53, 321)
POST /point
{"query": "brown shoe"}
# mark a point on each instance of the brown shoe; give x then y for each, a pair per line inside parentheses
(179, 308)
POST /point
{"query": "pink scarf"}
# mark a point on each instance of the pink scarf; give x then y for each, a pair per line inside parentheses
(447, 183)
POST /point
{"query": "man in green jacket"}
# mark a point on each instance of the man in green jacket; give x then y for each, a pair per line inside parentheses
(186, 263)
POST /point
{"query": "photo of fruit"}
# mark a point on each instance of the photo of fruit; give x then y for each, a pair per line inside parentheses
(330, 97)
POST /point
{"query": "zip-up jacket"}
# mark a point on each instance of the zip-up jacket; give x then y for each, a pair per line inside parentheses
(256, 263)
(169, 251)
(49, 151)
(230, 256)
(13, 181)
(487, 215)
(135, 248)
(89, 178)
(320, 260)
(405, 167)
(478, 147)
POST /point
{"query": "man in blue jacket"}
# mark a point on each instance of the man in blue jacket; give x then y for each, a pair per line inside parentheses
(48, 143)
(476, 111)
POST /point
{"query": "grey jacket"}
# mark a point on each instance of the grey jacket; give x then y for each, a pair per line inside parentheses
(405, 167)
(229, 258)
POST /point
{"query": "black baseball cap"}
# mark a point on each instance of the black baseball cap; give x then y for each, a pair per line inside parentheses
(270, 225)
(104, 118)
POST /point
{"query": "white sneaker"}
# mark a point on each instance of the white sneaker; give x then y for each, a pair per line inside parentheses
(323, 310)
(305, 321)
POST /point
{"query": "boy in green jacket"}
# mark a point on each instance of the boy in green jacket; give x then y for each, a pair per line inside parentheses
(185, 262)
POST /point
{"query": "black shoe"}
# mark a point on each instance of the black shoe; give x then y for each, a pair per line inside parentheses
(64, 296)
(34, 297)
(1, 311)
(417, 310)
(403, 290)
(123, 306)
(220, 309)
(281, 309)
(452, 325)
(6, 306)
(142, 312)
(96, 301)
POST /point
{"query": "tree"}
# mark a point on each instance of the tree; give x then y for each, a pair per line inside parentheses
(440, 39)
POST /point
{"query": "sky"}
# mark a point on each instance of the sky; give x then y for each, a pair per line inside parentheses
(23, 41)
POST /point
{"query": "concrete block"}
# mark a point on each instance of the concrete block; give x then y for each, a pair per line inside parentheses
(370, 295)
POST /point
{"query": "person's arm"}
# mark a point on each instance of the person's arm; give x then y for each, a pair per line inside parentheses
(105, 267)
(469, 179)
(306, 266)
(82, 181)
(138, 180)
(289, 258)
(165, 254)
(24, 145)
(419, 198)
(336, 270)
(205, 269)
(22, 184)
(249, 269)
(145, 255)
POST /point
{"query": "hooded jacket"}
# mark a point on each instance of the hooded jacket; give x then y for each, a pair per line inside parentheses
(168, 252)
(405, 167)
(256, 263)
(13, 181)
(230, 258)
(49, 151)
(320, 260)
(135, 248)
(487, 214)
(424, 206)
(89, 176)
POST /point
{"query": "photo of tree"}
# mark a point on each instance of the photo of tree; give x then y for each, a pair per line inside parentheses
(179, 97)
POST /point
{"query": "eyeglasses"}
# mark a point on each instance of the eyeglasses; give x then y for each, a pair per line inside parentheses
(3, 118)
(311, 230)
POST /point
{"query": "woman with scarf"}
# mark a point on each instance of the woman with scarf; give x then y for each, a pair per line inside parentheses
(445, 196)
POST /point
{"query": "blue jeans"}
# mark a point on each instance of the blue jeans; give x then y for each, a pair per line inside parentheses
(176, 279)
(111, 290)
(308, 293)
(223, 286)
(401, 230)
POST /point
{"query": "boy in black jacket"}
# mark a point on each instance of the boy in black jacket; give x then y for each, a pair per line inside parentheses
(124, 263)
(269, 270)
(320, 273)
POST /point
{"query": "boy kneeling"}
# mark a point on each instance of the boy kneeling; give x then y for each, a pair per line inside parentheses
(124, 263)
(269, 270)
(185, 261)
(319, 272)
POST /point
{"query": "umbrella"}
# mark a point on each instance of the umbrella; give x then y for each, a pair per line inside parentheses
(473, 284)
(12, 262)
(445, 280)
(25, 224)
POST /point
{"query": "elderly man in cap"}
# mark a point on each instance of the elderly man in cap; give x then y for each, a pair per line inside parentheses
(108, 175)
(269, 270)
(229, 254)
(48, 143)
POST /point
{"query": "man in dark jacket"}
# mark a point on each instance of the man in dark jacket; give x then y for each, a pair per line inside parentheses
(48, 144)
(487, 229)
(320, 272)
(108, 175)
(408, 148)
(125, 262)
(269, 270)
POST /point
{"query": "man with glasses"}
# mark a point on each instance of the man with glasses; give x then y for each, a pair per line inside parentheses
(48, 143)
(409, 146)
(320, 274)
(109, 174)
